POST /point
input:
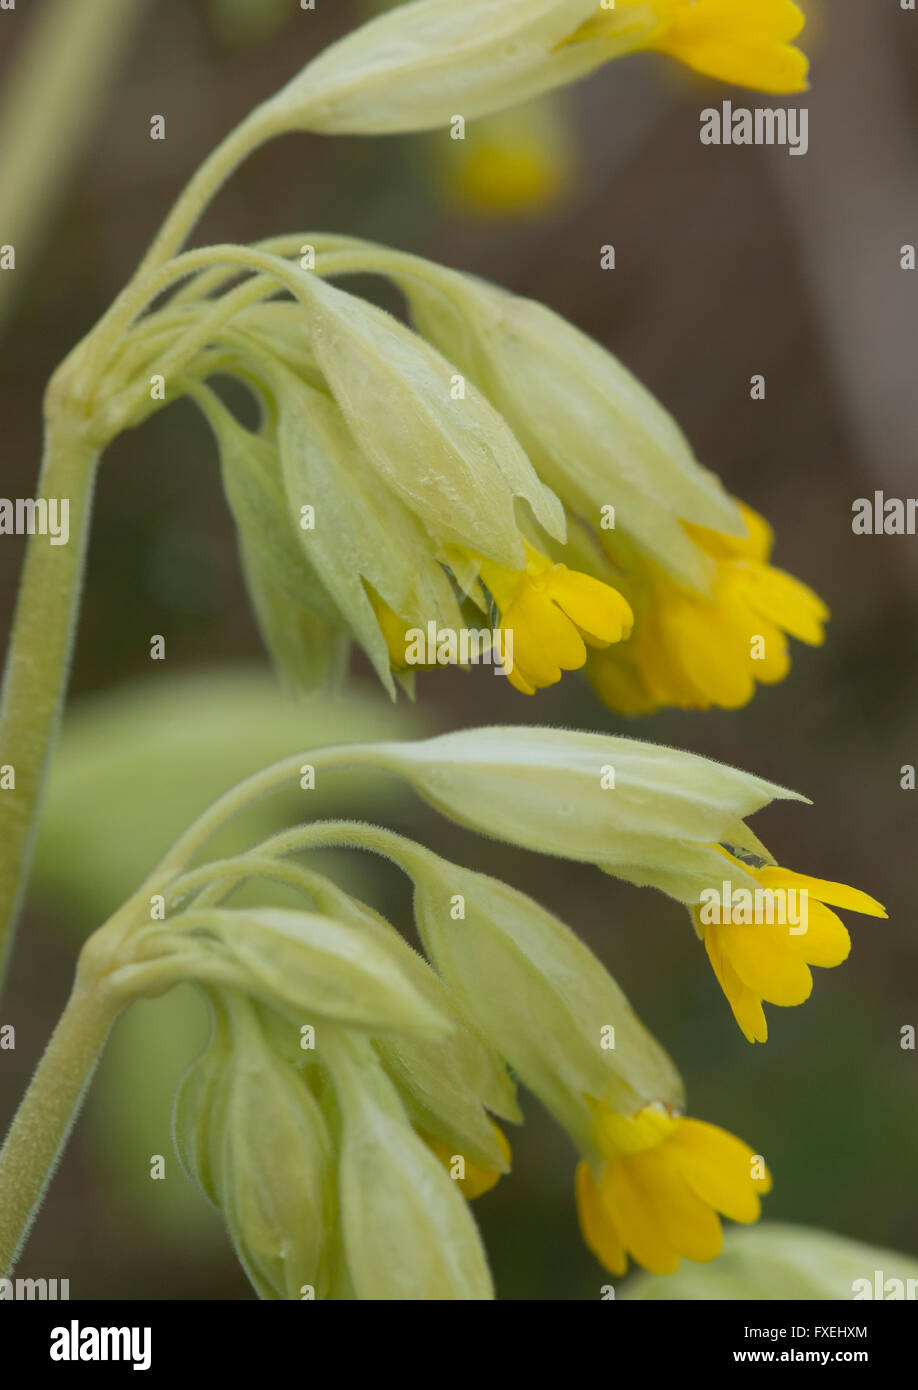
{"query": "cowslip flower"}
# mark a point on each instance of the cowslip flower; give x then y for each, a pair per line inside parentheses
(416, 66)
(538, 994)
(381, 505)
(711, 614)
(662, 1181)
(449, 1085)
(654, 817)
(764, 954)
(650, 1182)
(498, 462)
(554, 614)
(695, 649)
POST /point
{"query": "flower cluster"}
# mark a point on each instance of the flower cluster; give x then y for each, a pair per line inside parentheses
(493, 471)
(354, 1094)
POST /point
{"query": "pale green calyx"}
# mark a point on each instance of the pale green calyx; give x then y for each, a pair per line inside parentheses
(362, 533)
(407, 1230)
(419, 65)
(541, 996)
(253, 1136)
(596, 435)
(433, 437)
(644, 813)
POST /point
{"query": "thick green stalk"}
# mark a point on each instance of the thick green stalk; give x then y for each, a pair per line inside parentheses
(37, 661)
(46, 1115)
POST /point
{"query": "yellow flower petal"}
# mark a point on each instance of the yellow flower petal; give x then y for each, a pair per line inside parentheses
(746, 42)
(630, 1134)
(690, 1224)
(636, 1217)
(745, 1004)
(765, 961)
(545, 641)
(823, 889)
(826, 941)
(596, 1224)
(598, 610)
(781, 598)
(757, 544)
(718, 1168)
(712, 649)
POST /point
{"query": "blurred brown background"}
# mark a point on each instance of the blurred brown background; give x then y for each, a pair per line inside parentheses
(729, 262)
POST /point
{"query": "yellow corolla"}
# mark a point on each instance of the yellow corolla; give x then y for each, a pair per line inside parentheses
(664, 1179)
(768, 959)
(477, 1179)
(549, 614)
(696, 650)
(553, 613)
(747, 42)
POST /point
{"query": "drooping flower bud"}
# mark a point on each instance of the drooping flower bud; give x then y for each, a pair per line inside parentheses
(408, 1232)
(254, 1137)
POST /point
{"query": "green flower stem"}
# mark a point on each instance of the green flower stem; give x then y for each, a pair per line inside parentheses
(48, 1110)
(120, 411)
(345, 834)
(211, 883)
(261, 125)
(285, 773)
(38, 659)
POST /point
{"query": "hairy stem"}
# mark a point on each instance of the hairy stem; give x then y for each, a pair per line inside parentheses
(37, 662)
(46, 1115)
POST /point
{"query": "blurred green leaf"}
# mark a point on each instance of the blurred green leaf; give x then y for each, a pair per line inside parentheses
(783, 1262)
(135, 767)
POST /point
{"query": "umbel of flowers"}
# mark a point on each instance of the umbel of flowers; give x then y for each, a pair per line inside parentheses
(355, 1095)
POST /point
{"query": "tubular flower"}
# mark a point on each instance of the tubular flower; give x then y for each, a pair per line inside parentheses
(695, 650)
(747, 42)
(656, 818)
(664, 1179)
(553, 613)
(414, 67)
(762, 947)
(642, 514)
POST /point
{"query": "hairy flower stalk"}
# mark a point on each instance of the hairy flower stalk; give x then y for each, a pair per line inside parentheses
(654, 817)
